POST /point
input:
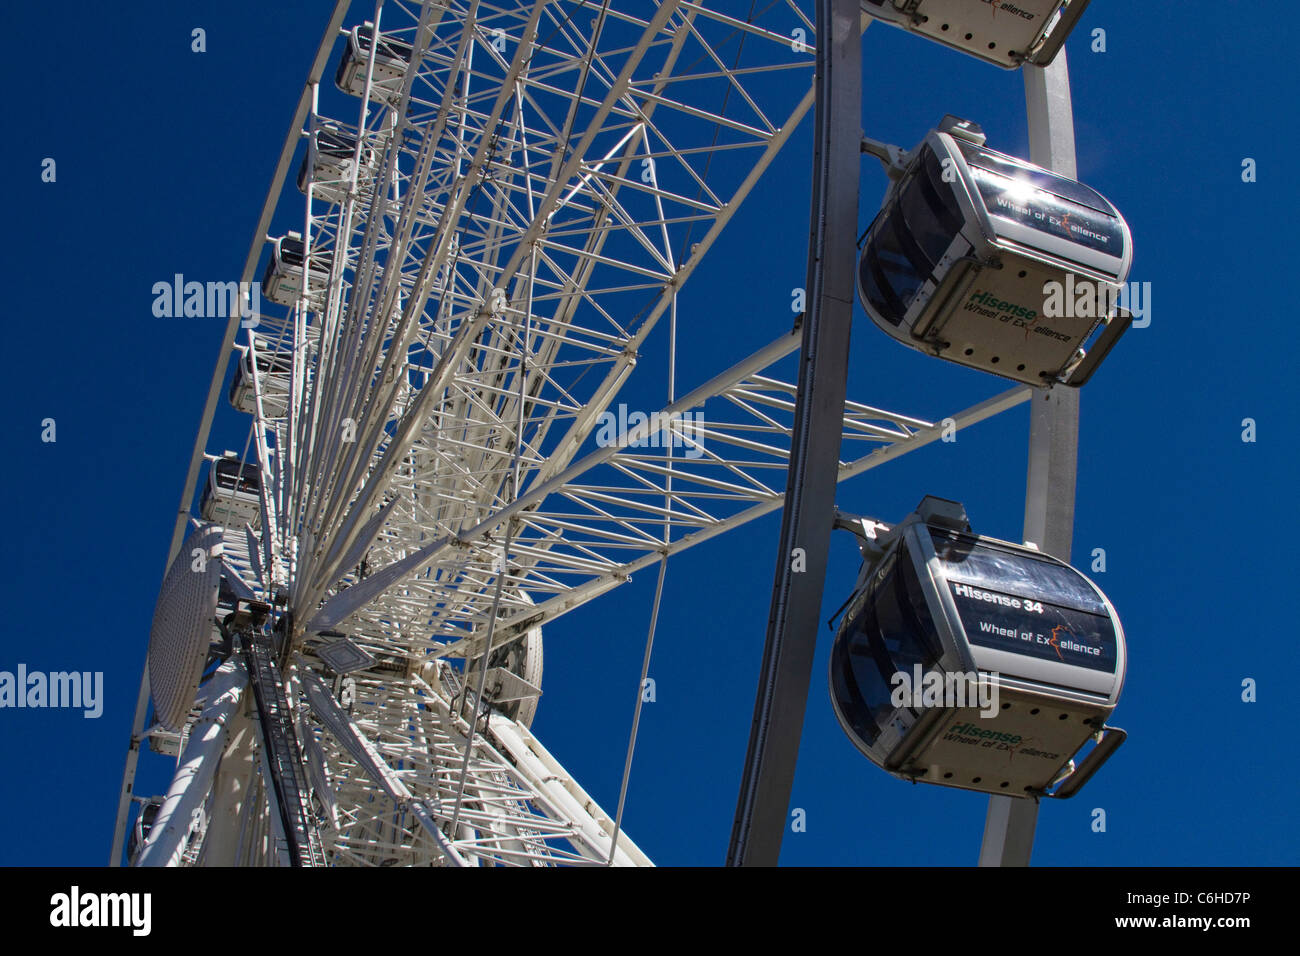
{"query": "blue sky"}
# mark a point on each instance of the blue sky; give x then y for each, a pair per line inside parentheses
(163, 157)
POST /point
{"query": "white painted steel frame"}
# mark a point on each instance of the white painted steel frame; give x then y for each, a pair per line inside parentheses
(557, 189)
(1053, 440)
(209, 410)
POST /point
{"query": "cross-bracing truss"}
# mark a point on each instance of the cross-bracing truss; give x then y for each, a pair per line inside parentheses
(531, 187)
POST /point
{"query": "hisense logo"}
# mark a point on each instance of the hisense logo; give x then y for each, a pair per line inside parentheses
(988, 304)
(971, 730)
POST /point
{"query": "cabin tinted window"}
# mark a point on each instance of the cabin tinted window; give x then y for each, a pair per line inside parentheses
(1026, 605)
(266, 362)
(393, 49)
(290, 254)
(1043, 201)
(986, 566)
(1045, 212)
(887, 631)
(291, 251)
(336, 145)
(861, 671)
(1012, 168)
(905, 620)
(908, 239)
(930, 210)
(229, 475)
(889, 278)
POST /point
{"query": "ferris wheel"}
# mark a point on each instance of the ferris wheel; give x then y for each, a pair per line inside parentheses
(500, 203)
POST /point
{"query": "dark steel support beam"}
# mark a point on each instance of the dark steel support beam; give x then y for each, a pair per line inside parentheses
(814, 457)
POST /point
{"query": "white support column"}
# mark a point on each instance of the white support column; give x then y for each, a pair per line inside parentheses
(193, 780)
(231, 793)
(594, 829)
(1053, 440)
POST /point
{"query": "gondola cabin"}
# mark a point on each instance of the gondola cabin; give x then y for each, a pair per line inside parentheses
(282, 279)
(331, 155)
(144, 822)
(991, 262)
(997, 31)
(274, 369)
(232, 494)
(969, 662)
(392, 57)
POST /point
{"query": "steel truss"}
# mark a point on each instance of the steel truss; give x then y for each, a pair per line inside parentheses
(546, 177)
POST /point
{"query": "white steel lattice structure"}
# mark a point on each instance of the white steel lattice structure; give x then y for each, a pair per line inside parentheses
(529, 187)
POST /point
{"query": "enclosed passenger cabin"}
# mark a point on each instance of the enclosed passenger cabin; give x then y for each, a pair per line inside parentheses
(274, 370)
(392, 57)
(282, 280)
(970, 662)
(331, 154)
(232, 495)
(991, 262)
(1005, 33)
(144, 821)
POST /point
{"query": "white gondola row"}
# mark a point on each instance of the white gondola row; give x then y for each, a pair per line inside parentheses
(969, 662)
(1000, 32)
(963, 257)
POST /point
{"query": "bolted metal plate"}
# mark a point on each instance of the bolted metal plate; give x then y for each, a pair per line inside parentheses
(344, 656)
